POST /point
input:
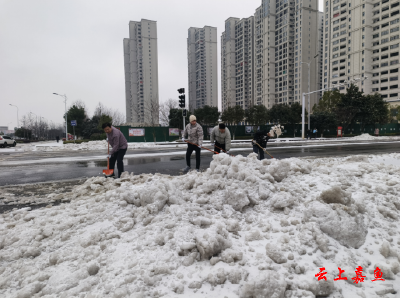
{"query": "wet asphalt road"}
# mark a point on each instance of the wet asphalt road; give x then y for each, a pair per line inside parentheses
(170, 164)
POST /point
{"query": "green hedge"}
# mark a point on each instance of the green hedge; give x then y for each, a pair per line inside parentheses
(76, 142)
(98, 137)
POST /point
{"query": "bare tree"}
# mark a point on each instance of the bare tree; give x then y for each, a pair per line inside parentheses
(39, 128)
(101, 109)
(80, 104)
(152, 115)
(165, 108)
(118, 118)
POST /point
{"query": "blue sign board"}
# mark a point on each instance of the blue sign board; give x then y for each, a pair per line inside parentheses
(73, 122)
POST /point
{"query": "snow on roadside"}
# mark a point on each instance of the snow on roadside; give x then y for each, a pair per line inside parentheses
(368, 137)
(91, 145)
(243, 228)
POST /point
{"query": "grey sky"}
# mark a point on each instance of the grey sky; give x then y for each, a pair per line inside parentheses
(75, 47)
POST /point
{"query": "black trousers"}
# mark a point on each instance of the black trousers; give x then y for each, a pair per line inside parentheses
(220, 146)
(259, 151)
(119, 158)
(189, 152)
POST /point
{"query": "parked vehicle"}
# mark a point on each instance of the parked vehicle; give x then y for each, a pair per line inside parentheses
(70, 137)
(7, 141)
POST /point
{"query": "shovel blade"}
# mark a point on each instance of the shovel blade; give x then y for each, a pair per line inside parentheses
(108, 172)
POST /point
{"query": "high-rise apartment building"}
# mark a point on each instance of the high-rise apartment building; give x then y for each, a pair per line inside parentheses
(237, 79)
(202, 67)
(141, 73)
(267, 54)
(361, 39)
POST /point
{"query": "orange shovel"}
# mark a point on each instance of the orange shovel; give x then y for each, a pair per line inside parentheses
(109, 171)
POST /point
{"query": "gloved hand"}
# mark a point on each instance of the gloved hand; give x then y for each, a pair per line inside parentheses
(183, 139)
(227, 152)
(254, 142)
(212, 143)
(199, 146)
(109, 156)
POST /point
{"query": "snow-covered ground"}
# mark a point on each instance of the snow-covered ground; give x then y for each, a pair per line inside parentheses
(243, 228)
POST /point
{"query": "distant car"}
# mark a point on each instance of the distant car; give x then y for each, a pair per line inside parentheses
(7, 141)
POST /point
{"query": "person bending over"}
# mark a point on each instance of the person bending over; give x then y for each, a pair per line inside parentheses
(261, 138)
(221, 137)
(119, 146)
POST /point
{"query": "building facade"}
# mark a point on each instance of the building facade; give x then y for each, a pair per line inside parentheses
(141, 74)
(361, 39)
(237, 72)
(268, 54)
(202, 67)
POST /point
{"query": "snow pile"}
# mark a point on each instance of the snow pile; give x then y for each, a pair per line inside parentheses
(368, 137)
(243, 228)
(365, 137)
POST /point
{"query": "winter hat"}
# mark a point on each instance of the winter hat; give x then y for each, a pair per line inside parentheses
(192, 117)
(222, 126)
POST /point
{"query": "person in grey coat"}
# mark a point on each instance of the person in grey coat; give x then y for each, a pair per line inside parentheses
(193, 133)
(119, 145)
(221, 137)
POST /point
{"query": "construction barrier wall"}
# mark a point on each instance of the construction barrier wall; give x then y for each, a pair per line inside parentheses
(161, 134)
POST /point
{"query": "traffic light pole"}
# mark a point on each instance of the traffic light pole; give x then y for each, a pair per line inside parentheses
(182, 104)
(183, 120)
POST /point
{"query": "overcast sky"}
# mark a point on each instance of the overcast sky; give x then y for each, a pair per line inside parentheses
(75, 47)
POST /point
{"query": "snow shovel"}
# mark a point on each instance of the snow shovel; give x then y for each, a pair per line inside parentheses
(201, 147)
(109, 171)
(264, 150)
(224, 150)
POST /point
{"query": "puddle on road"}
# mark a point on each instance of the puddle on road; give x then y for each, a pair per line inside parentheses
(129, 161)
(92, 164)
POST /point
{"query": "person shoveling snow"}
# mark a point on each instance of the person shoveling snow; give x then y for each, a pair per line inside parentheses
(193, 133)
(259, 142)
(119, 146)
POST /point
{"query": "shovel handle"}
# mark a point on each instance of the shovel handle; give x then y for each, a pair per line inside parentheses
(201, 147)
(264, 150)
(108, 158)
(223, 150)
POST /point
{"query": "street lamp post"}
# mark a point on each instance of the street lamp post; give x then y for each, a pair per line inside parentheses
(17, 114)
(325, 89)
(36, 127)
(66, 127)
(309, 102)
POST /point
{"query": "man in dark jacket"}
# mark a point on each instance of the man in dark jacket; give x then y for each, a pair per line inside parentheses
(119, 146)
(260, 138)
(308, 134)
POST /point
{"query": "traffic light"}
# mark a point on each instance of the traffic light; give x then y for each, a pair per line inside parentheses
(181, 90)
(182, 101)
(184, 112)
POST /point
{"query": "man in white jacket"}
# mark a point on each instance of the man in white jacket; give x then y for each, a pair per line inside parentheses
(221, 137)
(193, 133)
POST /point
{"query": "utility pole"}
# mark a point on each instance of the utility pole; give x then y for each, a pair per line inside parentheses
(66, 126)
(309, 82)
(17, 114)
